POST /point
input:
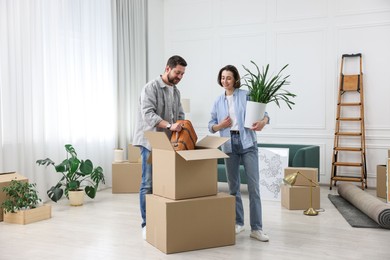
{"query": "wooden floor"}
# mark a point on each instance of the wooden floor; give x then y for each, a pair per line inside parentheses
(109, 228)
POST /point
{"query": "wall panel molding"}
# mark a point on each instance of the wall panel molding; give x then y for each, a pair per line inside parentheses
(243, 12)
(358, 7)
(301, 48)
(287, 10)
(370, 39)
(308, 35)
(185, 15)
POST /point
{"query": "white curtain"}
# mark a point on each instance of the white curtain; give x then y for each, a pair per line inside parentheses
(57, 85)
(130, 44)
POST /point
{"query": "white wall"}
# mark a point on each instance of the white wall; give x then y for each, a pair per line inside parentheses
(156, 47)
(310, 36)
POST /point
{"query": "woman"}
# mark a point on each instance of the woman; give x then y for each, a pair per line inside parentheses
(227, 117)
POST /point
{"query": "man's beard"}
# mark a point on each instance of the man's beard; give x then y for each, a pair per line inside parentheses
(172, 80)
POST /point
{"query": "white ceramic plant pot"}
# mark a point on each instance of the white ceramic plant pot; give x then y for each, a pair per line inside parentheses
(254, 112)
(76, 198)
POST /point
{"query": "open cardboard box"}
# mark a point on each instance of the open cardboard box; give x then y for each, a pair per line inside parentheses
(185, 174)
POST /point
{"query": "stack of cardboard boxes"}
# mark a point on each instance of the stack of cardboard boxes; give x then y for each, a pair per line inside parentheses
(298, 195)
(185, 211)
(127, 175)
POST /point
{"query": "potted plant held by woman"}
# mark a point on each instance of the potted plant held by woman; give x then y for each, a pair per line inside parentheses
(78, 176)
(22, 204)
(264, 89)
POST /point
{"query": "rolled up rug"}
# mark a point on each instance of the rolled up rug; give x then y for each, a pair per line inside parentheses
(376, 209)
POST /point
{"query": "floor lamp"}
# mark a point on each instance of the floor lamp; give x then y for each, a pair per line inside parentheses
(291, 179)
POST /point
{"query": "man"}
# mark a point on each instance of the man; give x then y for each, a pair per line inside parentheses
(159, 109)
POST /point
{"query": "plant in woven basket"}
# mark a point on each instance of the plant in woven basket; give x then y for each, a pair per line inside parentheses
(20, 195)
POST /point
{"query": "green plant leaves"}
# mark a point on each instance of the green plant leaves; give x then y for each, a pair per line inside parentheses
(86, 167)
(75, 174)
(98, 176)
(46, 162)
(264, 88)
(73, 185)
(20, 195)
(90, 191)
(70, 150)
(55, 192)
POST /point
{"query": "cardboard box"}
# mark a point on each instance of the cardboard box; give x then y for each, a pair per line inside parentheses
(191, 224)
(381, 181)
(5, 179)
(133, 154)
(298, 197)
(185, 174)
(28, 216)
(126, 177)
(388, 181)
(310, 173)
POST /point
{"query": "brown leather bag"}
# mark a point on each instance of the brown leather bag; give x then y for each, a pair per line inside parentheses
(186, 138)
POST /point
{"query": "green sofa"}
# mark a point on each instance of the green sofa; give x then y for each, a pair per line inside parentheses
(299, 156)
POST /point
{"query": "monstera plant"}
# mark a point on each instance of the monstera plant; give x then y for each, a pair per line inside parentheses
(76, 175)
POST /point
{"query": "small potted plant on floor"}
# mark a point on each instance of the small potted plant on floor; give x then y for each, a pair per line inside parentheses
(22, 204)
(264, 89)
(77, 176)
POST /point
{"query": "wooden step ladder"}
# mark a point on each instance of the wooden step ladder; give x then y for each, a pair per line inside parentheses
(349, 150)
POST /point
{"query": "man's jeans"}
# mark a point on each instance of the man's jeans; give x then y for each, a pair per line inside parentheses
(250, 160)
(146, 184)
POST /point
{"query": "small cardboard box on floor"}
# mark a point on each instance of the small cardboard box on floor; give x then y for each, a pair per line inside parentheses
(388, 181)
(190, 224)
(381, 181)
(5, 180)
(298, 196)
(185, 174)
(310, 173)
(127, 175)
